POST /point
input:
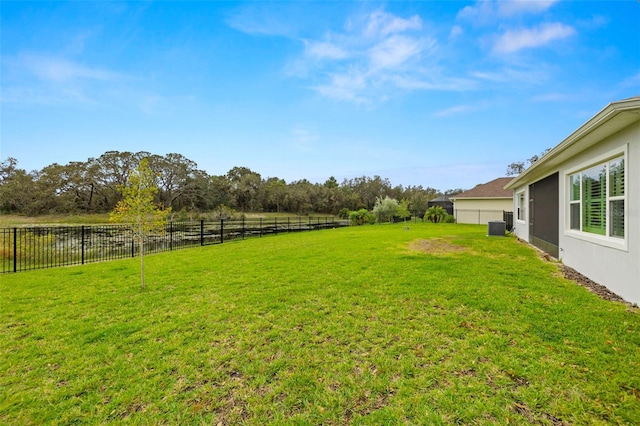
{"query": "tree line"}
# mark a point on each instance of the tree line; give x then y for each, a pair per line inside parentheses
(92, 186)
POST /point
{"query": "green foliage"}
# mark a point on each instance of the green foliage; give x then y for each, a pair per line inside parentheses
(91, 186)
(222, 212)
(344, 213)
(385, 209)
(362, 217)
(138, 208)
(404, 211)
(360, 325)
(435, 214)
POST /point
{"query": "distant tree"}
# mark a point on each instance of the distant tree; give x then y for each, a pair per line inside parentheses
(404, 211)
(137, 208)
(451, 192)
(518, 167)
(385, 208)
(514, 169)
(17, 188)
(331, 183)
(245, 185)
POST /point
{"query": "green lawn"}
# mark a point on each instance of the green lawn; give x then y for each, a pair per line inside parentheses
(375, 325)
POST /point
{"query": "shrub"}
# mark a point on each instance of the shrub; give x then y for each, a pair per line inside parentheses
(344, 213)
(449, 218)
(435, 214)
(362, 217)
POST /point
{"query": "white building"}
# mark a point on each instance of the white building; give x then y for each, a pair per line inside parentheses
(483, 203)
(581, 201)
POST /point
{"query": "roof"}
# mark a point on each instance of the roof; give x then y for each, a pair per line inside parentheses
(440, 199)
(610, 120)
(493, 189)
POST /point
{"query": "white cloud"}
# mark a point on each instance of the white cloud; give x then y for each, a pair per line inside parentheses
(53, 80)
(55, 69)
(325, 50)
(382, 24)
(487, 11)
(395, 51)
(345, 86)
(511, 8)
(435, 82)
(514, 40)
(528, 75)
(456, 31)
(262, 19)
(454, 110)
(374, 56)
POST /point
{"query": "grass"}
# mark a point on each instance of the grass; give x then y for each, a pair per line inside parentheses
(8, 220)
(367, 325)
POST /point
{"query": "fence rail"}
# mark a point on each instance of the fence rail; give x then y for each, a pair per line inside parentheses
(27, 248)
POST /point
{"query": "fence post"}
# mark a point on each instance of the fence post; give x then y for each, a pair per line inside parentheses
(201, 232)
(275, 226)
(82, 244)
(221, 231)
(243, 228)
(170, 236)
(15, 249)
(133, 247)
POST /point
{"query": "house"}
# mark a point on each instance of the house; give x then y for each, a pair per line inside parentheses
(442, 201)
(581, 201)
(485, 202)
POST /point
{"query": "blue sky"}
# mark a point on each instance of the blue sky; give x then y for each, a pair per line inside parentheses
(434, 93)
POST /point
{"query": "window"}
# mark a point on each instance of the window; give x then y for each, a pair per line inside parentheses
(597, 199)
(521, 206)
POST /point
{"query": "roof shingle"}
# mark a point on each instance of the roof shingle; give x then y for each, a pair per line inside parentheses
(493, 189)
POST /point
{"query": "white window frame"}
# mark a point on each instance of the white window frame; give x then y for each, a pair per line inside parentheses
(521, 208)
(620, 243)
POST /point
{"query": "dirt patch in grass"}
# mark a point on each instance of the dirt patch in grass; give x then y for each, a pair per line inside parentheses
(436, 246)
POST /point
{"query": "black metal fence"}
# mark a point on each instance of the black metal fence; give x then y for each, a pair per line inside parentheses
(26, 248)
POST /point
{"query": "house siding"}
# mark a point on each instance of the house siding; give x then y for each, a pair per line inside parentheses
(617, 268)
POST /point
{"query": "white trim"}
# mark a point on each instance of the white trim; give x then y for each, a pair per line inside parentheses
(523, 207)
(602, 240)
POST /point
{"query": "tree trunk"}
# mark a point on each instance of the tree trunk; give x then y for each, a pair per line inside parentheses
(141, 243)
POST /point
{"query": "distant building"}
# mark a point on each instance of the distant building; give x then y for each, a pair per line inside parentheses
(444, 202)
(486, 202)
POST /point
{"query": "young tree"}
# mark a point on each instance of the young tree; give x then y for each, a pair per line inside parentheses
(404, 209)
(435, 214)
(137, 208)
(385, 209)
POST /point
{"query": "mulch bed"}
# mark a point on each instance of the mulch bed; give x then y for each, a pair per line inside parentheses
(581, 280)
(590, 285)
